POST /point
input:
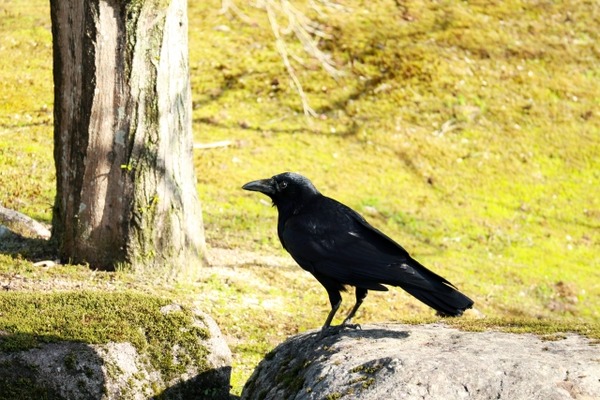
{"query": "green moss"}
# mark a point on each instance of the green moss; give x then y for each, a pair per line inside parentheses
(369, 368)
(545, 328)
(367, 383)
(366, 373)
(170, 340)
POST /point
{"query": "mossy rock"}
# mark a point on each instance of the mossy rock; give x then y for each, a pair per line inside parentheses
(91, 344)
(433, 361)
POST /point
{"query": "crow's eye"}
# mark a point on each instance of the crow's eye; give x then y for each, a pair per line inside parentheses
(282, 184)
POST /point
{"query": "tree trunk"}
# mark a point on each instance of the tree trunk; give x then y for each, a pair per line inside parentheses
(126, 188)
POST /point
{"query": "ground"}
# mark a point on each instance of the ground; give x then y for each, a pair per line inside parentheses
(469, 133)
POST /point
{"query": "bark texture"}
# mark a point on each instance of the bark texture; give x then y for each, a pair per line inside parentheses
(126, 188)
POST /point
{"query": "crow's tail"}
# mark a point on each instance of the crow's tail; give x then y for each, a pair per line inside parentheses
(446, 300)
(432, 289)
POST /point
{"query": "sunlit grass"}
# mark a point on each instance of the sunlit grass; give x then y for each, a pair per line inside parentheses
(469, 132)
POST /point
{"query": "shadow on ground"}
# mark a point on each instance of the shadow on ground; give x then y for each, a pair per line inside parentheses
(31, 249)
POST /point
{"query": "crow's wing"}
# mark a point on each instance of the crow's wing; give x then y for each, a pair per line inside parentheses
(333, 240)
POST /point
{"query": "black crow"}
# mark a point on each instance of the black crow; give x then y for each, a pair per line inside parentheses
(336, 245)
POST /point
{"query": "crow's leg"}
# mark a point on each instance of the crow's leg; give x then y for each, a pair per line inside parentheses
(361, 293)
(336, 301)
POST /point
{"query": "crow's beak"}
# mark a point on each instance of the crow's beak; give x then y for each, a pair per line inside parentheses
(266, 186)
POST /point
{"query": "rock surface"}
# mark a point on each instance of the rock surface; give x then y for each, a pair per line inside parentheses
(428, 362)
(21, 224)
(70, 370)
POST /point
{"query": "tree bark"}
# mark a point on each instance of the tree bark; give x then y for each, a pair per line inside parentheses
(126, 188)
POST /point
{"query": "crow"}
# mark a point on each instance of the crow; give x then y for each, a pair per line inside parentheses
(340, 248)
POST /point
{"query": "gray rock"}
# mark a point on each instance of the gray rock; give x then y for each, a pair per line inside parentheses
(73, 371)
(428, 362)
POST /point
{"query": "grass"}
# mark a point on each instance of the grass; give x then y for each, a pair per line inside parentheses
(468, 131)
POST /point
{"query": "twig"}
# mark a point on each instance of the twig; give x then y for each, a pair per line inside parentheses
(283, 52)
(303, 28)
(229, 5)
(213, 145)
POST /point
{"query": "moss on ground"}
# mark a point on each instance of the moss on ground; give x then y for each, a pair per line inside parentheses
(170, 340)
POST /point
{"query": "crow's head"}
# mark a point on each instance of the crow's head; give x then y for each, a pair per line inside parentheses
(286, 190)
